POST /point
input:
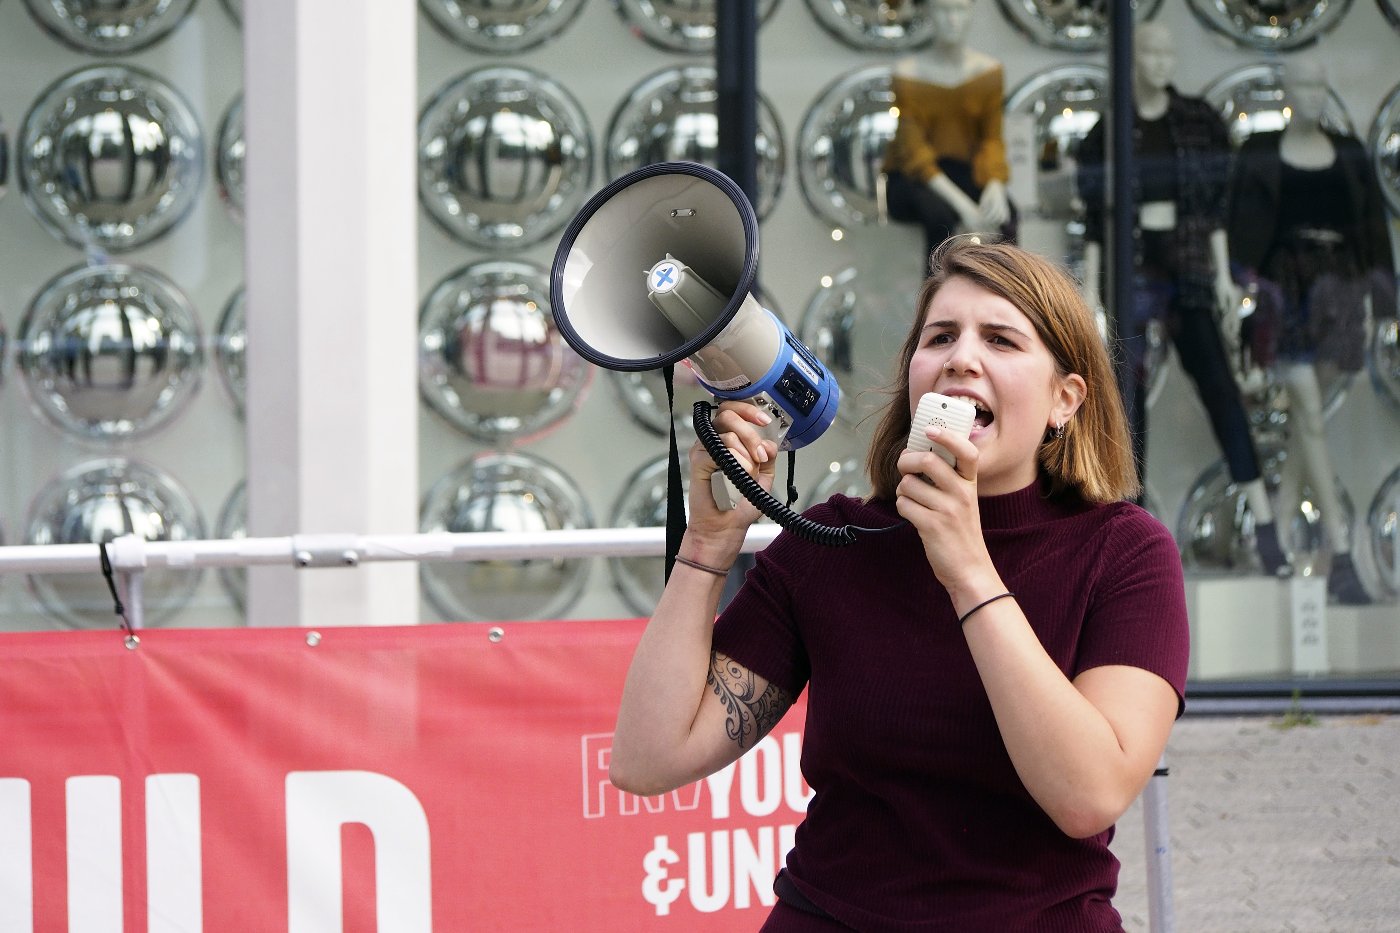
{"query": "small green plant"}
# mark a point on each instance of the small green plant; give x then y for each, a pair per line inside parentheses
(1295, 715)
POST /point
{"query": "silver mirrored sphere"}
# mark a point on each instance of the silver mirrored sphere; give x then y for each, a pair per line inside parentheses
(856, 324)
(1252, 99)
(231, 348)
(110, 157)
(1215, 530)
(491, 359)
(229, 159)
(1075, 25)
(232, 525)
(511, 492)
(1385, 148)
(1384, 362)
(847, 477)
(501, 26)
(876, 25)
(109, 27)
(1064, 102)
(1271, 25)
(1266, 404)
(841, 147)
(671, 116)
(95, 502)
(1391, 9)
(1383, 529)
(679, 25)
(640, 579)
(110, 352)
(505, 157)
(644, 395)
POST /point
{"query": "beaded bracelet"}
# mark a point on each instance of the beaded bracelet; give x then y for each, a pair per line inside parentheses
(967, 615)
(699, 566)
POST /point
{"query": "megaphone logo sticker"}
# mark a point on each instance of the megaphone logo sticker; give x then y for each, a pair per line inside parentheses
(664, 276)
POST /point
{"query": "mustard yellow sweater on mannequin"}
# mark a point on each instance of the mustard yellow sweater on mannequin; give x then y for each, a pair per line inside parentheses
(960, 122)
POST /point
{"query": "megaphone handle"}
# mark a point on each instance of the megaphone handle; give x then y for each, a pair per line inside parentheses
(722, 488)
(751, 490)
(723, 491)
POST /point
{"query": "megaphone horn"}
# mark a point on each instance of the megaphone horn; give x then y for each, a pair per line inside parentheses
(657, 268)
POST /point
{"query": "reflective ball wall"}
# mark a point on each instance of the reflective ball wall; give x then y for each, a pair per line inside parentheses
(123, 317)
(119, 200)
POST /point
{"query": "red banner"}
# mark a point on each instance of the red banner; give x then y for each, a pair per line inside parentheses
(443, 777)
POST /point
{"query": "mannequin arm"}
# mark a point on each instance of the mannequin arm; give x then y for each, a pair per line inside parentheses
(1093, 265)
(1227, 294)
(994, 205)
(969, 214)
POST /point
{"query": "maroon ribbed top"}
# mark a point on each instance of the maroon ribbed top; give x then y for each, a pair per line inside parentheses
(919, 822)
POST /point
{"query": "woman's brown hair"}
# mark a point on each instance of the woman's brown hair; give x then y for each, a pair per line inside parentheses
(1094, 457)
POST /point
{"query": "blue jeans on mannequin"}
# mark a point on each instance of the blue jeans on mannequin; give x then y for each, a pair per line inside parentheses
(1194, 333)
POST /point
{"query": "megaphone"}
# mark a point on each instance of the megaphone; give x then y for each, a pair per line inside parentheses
(657, 268)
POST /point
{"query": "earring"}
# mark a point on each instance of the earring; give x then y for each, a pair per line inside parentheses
(1059, 431)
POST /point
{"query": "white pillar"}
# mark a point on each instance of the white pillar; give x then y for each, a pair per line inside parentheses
(330, 114)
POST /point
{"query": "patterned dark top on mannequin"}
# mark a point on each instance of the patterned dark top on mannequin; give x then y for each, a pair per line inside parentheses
(1320, 242)
(1199, 159)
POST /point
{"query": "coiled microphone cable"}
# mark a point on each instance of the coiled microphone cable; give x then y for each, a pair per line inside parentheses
(761, 499)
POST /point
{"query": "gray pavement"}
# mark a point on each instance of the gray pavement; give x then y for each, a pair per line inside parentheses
(1275, 827)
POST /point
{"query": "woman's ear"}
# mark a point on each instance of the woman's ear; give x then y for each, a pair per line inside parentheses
(1069, 395)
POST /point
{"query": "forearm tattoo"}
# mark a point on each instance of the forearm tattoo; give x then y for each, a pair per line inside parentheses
(748, 715)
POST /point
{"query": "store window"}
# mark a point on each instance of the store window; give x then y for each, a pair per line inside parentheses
(126, 178)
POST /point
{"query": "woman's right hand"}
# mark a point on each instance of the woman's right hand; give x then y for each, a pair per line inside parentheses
(740, 426)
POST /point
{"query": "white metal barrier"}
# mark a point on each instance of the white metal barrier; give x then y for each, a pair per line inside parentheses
(131, 556)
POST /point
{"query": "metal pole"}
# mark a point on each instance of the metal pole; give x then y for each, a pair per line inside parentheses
(312, 551)
(1122, 112)
(736, 87)
(1157, 836)
(736, 116)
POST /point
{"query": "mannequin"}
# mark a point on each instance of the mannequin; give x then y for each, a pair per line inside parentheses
(946, 166)
(1182, 264)
(1306, 217)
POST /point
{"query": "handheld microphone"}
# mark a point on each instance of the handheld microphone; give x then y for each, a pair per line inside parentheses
(946, 412)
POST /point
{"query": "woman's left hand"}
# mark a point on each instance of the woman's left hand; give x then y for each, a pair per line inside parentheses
(941, 502)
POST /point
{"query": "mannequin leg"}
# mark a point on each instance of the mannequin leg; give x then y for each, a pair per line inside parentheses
(1309, 431)
(1202, 354)
(1201, 349)
(911, 202)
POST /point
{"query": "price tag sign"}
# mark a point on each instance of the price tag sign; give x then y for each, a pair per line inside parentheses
(1307, 604)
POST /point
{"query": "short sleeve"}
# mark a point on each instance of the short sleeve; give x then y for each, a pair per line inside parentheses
(758, 627)
(1137, 614)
